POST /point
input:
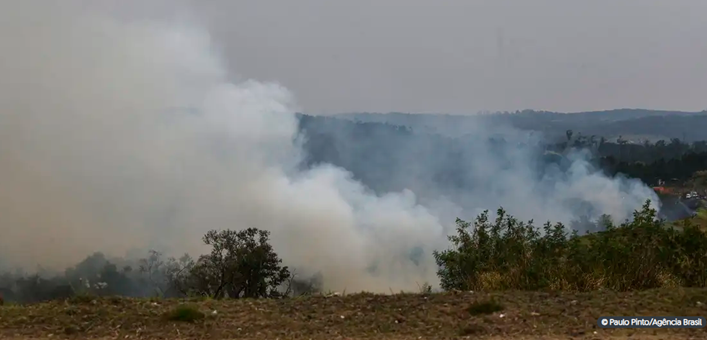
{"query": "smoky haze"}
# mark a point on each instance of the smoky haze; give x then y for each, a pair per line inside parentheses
(465, 56)
(123, 131)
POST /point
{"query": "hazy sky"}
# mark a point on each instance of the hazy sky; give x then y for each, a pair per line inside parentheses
(469, 55)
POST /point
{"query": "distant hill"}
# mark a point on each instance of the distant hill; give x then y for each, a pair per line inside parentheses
(630, 123)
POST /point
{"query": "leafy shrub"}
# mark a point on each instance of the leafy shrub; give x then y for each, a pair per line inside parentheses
(484, 307)
(185, 313)
(509, 254)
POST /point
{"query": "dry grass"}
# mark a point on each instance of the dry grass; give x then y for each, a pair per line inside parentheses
(524, 315)
(701, 218)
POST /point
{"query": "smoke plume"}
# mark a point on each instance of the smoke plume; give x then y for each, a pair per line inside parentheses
(121, 132)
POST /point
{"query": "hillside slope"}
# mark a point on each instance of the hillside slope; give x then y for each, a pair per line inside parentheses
(522, 315)
(650, 124)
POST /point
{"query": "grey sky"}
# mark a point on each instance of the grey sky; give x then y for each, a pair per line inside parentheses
(470, 55)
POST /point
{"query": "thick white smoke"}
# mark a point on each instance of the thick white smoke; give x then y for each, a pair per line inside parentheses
(118, 134)
(122, 134)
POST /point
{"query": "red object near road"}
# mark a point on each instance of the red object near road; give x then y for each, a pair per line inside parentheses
(662, 190)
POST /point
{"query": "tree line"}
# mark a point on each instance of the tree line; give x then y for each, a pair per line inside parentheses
(374, 152)
(241, 264)
(647, 161)
(503, 253)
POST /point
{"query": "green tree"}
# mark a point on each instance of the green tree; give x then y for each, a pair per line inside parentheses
(242, 264)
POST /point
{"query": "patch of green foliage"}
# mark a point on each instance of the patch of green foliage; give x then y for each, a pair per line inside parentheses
(185, 313)
(82, 298)
(484, 307)
(509, 254)
(702, 213)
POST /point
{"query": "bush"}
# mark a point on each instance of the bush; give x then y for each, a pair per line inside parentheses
(484, 307)
(509, 254)
(185, 313)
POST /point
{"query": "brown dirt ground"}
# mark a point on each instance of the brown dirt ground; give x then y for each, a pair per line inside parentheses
(526, 315)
